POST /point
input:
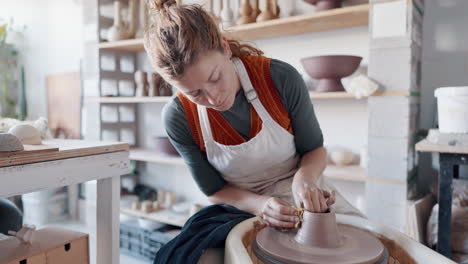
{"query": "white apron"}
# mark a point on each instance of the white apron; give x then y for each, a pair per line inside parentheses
(266, 163)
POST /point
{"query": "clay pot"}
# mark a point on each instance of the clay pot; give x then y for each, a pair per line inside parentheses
(245, 13)
(269, 12)
(330, 69)
(318, 230)
(153, 84)
(227, 15)
(164, 146)
(325, 4)
(117, 31)
(141, 83)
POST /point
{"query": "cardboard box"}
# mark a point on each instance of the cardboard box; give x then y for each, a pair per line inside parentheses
(49, 246)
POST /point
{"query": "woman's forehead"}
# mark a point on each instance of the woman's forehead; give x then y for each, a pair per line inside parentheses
(201, 69)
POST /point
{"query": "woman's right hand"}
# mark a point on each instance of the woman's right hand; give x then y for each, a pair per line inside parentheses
(279, 213)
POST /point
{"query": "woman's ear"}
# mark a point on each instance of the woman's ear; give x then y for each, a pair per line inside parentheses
(226, 47)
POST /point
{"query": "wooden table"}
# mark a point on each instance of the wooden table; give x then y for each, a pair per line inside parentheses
(450, 158)
(76, 161)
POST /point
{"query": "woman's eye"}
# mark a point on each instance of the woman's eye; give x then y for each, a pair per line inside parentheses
(196, 94)
(217, 79)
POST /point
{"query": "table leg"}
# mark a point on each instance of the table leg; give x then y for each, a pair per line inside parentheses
(108, 222)
(445, 204)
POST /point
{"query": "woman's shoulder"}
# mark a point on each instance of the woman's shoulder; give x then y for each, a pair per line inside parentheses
(173, 115)
(283, 70)
(288, 82)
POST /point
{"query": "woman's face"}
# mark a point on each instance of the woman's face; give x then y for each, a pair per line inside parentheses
(211, 80)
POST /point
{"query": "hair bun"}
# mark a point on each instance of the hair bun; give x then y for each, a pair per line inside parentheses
(161, 4)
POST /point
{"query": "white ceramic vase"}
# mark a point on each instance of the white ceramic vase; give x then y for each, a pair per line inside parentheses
(227, 15)
(117, 31)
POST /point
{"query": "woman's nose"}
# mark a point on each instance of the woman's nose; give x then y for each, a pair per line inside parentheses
(213, 97)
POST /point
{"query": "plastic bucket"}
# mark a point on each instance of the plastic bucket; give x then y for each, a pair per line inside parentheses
(452, 106)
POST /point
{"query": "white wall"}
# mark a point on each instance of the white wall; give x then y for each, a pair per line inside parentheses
(343, 122)
(445, 51)
(444, 63)
(52, 43)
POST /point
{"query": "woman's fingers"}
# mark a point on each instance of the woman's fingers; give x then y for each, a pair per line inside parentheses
(307, 201)
(278, 223)
(331, 200)
(286, 218)
(316, 200)
(323, 203)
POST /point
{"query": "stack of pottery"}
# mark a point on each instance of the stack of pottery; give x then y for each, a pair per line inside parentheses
(151, 84)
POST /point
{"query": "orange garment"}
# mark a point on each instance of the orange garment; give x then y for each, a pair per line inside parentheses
(258, 69)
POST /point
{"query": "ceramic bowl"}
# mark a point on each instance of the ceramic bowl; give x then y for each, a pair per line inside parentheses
(330, 69)
(325, 4)
(164, 146)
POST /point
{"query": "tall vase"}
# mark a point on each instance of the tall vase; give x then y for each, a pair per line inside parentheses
(143, 19)
(245, 13)
(286, 6)
(255, 10)
(117, 31)
(269, 12)
(227, 16)
(133, 19)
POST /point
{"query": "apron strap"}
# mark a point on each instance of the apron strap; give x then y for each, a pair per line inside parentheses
(249, 90)
(250, 94)
(205, 124)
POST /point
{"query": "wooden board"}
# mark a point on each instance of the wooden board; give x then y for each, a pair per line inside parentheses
(68, 148)
(337, 18)
(427, 146)
(30, 150)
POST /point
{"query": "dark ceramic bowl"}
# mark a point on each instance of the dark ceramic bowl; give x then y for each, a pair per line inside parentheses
(325, 4)
(330, 69)
(164, 146)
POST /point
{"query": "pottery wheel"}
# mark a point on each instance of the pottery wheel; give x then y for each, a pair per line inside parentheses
(356, 247)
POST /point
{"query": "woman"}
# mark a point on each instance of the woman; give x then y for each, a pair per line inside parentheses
(243, 123)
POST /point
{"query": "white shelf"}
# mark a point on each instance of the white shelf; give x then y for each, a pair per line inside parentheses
(149, 155)
(333, 19)
(344, 173)
(165, 99)
(163, 216)
(128, 99)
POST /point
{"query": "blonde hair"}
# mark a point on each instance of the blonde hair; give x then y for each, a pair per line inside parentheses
(179, 33)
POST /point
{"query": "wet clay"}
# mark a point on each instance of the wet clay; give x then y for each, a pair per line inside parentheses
(396, 253)
(319, 240)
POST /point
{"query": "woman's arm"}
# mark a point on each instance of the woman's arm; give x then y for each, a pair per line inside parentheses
(305, 191)
(312, 165)
(273, 210)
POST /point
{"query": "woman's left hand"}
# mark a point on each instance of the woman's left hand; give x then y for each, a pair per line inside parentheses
(311, 198)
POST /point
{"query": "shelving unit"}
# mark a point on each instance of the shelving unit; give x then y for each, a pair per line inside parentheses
(165, 99)
(393, 62)
(343, 173)
(163, 216)
(322, 21)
